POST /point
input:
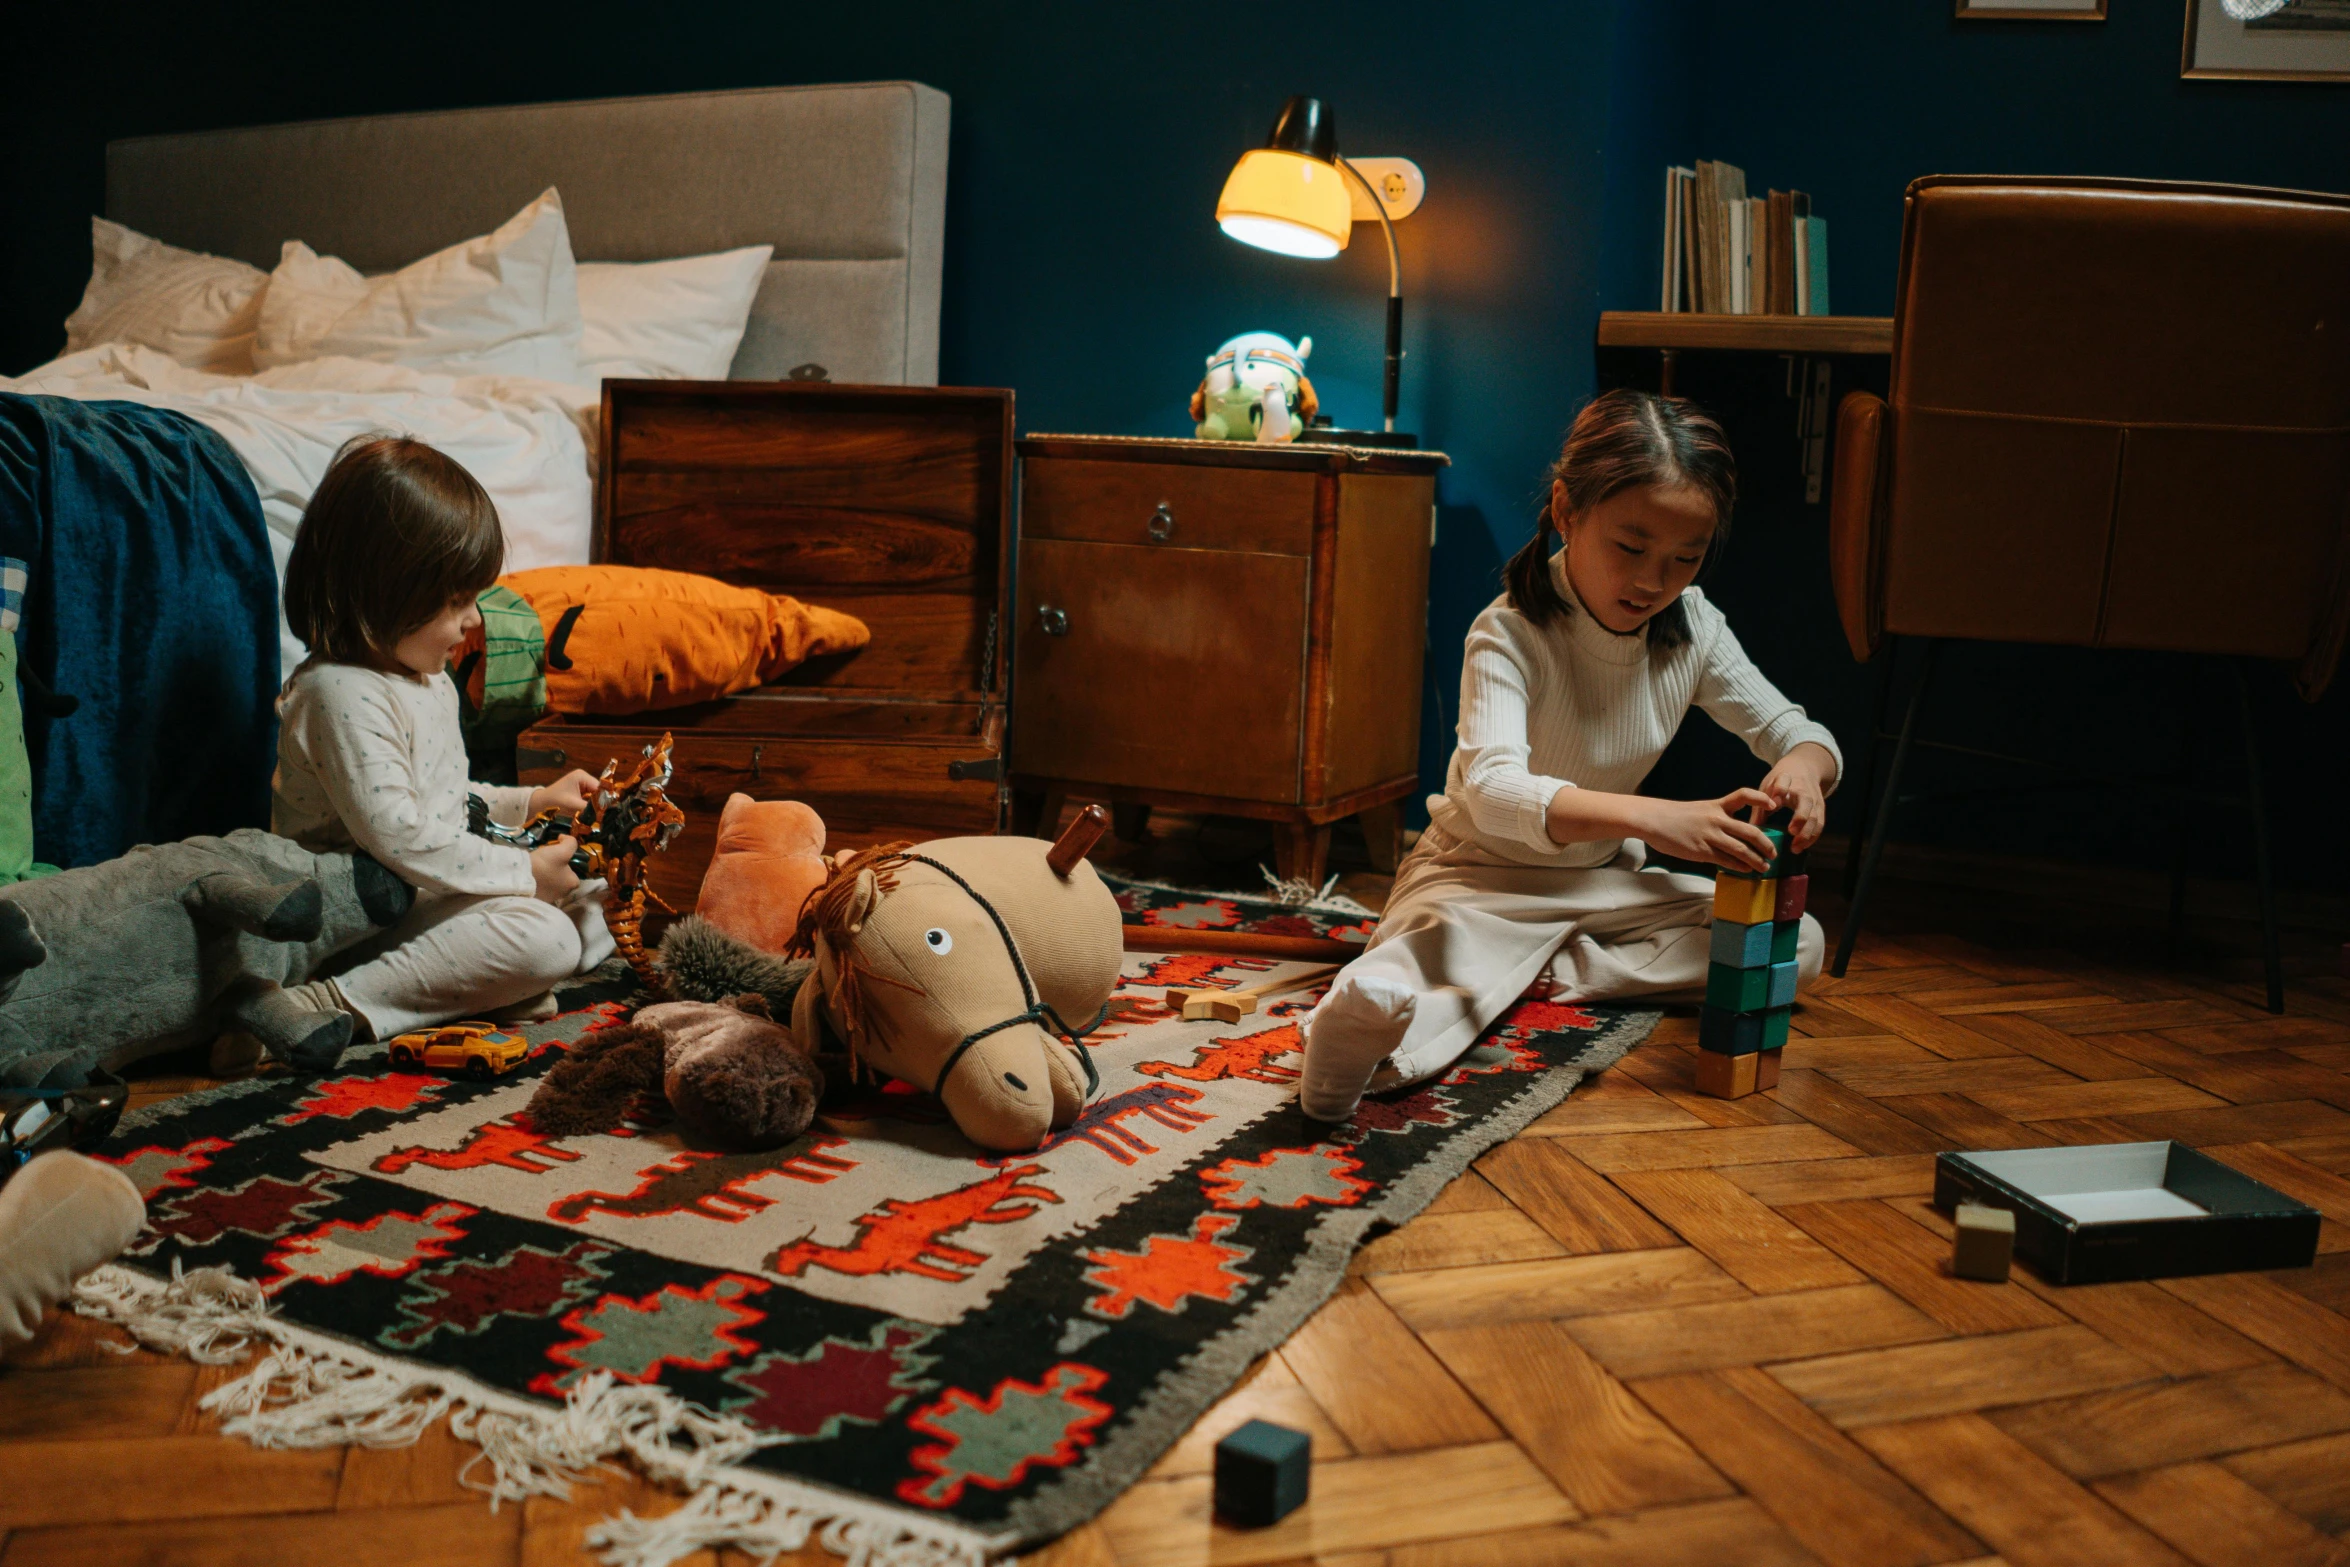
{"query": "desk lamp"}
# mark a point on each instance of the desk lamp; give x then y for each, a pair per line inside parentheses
(1291, 196)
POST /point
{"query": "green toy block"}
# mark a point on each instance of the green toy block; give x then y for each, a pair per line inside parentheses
(1743, 946)
(1784, 861)
(1774, 1028)
(1782, 987)
(1786, 937)
(1737, 989)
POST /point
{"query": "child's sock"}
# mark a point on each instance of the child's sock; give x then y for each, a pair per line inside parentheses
(1356, 1026)
(530, 1009)
(60, 1216)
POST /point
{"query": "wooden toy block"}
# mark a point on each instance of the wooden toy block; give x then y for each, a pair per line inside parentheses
(1729, 1033)
(1782, 986)
(1792, 892)
(1986, 1243)
(1742, 946)
(1786, 941)
(1727, 1077)
(1230, 1006)
(1737, 989)
(1262, 1471)
(1744, 900)
(1775, 1027)
(1766, 1069)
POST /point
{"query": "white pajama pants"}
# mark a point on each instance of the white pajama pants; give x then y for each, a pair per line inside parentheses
(1467, 932)
(456, 956)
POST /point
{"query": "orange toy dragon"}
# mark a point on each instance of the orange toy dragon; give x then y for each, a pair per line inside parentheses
(627, 820)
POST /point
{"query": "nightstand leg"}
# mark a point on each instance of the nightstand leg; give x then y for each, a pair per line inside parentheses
(1028, 812)
(1130, 821)
(1383, 835)
(1301, 852)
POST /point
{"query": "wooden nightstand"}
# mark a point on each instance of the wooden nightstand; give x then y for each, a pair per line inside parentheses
(1224, 628)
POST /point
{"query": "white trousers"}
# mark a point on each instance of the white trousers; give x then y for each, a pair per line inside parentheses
(1467, 932)
(458, 956)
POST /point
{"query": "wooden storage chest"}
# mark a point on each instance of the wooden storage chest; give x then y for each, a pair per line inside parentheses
(891, 503)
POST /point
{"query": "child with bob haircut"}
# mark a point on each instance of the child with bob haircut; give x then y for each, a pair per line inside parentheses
(1574, 682)
(393, 548)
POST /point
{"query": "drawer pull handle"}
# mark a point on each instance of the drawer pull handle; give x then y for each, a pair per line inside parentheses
(757, 751)
(1052, 622)
(1162, 523)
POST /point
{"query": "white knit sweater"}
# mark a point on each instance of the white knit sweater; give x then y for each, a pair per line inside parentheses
(372, 761)
(1574, 705)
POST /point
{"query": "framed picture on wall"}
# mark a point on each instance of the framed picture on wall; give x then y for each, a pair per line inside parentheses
(2270, 40)
(2031, 10)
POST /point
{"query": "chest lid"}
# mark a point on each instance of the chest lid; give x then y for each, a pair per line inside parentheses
(890, 503)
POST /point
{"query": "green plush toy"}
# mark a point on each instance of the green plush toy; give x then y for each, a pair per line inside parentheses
(16, 764)
(502, 685)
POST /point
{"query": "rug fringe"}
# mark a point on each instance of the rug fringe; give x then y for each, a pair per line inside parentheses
(309, 1390)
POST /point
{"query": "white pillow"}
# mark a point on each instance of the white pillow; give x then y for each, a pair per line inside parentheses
(671, 320)
(506, 303)
(201, 310)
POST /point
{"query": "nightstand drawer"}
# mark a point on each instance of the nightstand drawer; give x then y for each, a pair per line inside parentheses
(1168, 505)
(1140, 666)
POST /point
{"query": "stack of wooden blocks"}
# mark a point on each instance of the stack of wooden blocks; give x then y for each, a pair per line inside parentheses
(1750, 988)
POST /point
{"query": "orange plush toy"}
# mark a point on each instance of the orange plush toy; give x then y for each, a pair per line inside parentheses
(770, 857)
(632, 639)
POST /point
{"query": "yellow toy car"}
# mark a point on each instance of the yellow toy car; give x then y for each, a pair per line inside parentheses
(480, 1050)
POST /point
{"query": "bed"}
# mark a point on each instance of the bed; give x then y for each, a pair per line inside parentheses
(846, 183)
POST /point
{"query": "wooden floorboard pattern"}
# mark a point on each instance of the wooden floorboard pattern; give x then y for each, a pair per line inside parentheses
(1655, 1328)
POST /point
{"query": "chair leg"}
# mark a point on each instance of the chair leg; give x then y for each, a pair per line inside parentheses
(2272, 956)
(1891, 653)
(1882, 818)
(2182, 837)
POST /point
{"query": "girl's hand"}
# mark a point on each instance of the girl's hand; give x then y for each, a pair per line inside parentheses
(568, 794)
(1710, 830)
(550, 867)
(1799, 784)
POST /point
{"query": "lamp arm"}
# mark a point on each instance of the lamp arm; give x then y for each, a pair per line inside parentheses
(1394, 295)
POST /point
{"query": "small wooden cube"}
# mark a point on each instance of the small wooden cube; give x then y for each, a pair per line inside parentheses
(1793, 890)
(1737, 989)
(1766, 1069)
(1776, 1025)
(1781, 990)
(1744, 900)
(1728, 1077)
(1786, 940)
(1742, 946)
(1262, 1473)
(1726, 1033)
(1986, 1243)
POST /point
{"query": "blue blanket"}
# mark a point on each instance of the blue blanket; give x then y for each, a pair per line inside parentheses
(150, 602)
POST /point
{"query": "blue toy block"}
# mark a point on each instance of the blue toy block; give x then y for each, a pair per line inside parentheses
(1262, 1472)
(1782, 986)
(1742, 946)
(1729, 1033)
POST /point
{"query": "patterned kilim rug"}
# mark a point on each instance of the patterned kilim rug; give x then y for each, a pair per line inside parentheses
(877, 1337)
(1159, 906)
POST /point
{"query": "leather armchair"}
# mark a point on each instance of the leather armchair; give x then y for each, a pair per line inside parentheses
(2120, 417)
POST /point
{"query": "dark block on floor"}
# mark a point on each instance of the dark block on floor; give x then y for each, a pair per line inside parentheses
(1261, 1473)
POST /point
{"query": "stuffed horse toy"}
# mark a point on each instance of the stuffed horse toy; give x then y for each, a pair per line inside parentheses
(968, 967)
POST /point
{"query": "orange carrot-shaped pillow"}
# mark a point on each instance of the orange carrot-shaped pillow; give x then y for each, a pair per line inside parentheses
(631, 639)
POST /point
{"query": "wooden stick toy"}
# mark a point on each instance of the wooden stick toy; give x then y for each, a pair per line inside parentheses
(1230, 1006)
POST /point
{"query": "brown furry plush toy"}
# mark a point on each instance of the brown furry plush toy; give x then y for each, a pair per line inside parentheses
(733, 1077)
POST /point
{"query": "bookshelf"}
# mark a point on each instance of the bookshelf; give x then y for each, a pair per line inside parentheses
(1760, 334)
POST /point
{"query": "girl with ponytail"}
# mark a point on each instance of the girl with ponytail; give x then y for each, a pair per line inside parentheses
(1575, 679)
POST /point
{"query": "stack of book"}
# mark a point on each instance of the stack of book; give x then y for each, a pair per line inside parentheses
(1728, 253)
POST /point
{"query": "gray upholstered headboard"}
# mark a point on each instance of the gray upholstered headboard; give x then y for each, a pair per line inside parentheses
(848, 183)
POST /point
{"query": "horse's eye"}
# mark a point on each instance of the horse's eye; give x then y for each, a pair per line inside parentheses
(940, 942)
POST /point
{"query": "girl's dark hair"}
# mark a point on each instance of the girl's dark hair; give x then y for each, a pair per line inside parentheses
(1622, 439)
(395, 534)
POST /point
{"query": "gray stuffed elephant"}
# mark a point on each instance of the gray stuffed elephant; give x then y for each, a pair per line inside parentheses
(174, 944)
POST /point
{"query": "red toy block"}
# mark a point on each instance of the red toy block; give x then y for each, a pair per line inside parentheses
(1792, 891)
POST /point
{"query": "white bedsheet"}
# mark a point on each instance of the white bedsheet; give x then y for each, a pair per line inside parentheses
(531, 443)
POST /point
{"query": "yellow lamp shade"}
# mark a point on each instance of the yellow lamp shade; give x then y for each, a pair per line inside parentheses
(1284, 202)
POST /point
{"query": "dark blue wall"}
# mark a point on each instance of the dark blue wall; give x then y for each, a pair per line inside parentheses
(1084, 268)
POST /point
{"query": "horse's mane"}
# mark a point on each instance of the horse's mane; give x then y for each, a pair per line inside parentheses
(831, 911)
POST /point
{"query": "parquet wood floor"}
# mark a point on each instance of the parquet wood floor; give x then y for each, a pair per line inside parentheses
(1656, 1328)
